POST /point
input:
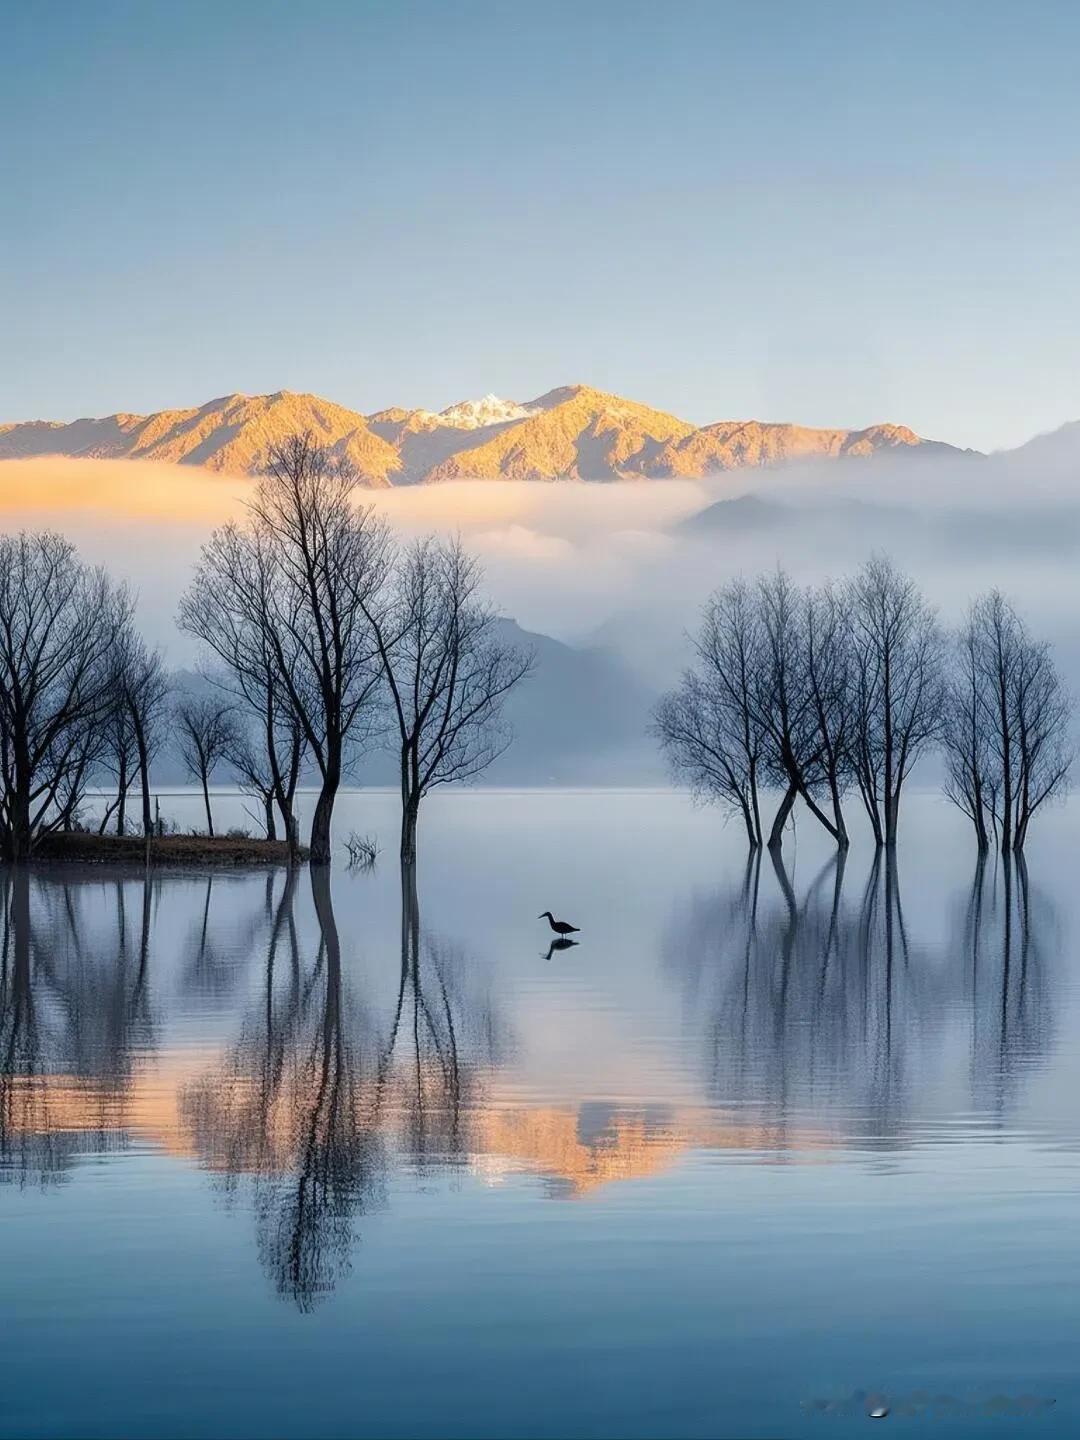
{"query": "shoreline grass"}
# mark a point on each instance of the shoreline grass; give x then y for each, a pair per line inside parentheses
(179, 850)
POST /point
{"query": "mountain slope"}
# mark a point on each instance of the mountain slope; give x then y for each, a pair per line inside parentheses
(575, 433)
(572, 433)
(738, 444)
(232, 434)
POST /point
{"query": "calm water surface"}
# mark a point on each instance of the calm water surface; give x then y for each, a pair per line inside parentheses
(765, 1149)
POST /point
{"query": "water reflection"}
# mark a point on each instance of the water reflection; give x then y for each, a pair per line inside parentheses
(282, 1110)
(1008, 931)
(821, 1003)
(75, 1008)
(235, 1022)
(310, 1098)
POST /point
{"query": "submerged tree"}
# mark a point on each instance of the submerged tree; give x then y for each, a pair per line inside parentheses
(288, 597)
(1005, 732)
(709, 724)
(897, 663)
(796, 704)
(819, 691)
(447, 671)
(827, 652)
(767, 699)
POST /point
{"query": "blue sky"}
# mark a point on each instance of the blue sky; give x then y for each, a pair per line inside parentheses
(821, 212)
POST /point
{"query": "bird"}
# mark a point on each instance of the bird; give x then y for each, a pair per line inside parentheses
(559, 926)
(561, 942)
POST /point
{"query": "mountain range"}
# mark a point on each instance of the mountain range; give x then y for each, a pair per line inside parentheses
(573, 433)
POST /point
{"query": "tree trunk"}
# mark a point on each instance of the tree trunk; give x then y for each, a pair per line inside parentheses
(121, 797)
(978, 819)
(206, 802)
(819, 814)
(755, 805)
(321, 851)
(20, 841)
(410, 808)
(268, 815)
(144, 781)
(841, 837)
(410, 813)
(776, 835)
(892, 816)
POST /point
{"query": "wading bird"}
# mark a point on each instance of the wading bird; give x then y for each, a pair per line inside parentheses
(559, 926)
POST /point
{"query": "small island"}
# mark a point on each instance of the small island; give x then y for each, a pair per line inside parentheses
(220, 851)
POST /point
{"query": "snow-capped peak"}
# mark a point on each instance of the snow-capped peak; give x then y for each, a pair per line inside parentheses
(474, 414)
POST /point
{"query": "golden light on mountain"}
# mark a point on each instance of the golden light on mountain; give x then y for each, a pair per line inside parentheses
(573, 433)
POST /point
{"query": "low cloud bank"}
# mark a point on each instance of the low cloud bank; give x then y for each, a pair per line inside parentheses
(627, 565)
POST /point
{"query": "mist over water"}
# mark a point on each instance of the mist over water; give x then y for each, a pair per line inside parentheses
(627, 566)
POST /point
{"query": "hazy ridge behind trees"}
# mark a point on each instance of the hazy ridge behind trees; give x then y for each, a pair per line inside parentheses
(847, 687)
(446, 672)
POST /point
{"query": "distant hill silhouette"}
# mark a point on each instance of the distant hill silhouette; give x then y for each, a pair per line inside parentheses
(581, 718)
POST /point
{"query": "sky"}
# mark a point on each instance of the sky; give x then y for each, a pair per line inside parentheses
(827, 213)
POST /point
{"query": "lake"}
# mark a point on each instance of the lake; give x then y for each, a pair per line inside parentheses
(767, 1150)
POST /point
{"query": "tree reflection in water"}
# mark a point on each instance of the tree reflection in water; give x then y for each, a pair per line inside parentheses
(309, 1103)
(283, 1111)
(75, 1010)
(821, 1006)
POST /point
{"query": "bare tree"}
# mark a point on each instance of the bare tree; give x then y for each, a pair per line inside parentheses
(119, 757)
(289, 596)
(447, 671)
(264, 763)
(786, 707)
(59, 622)
(709, 724)
(205, 730)
(228, 607)
(250, 768)
(826, 643)
(1044, 752)
(896, 655)
(1006, 725)
(970, 778)
(145, 690)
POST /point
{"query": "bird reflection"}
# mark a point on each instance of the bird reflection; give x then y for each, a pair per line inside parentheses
(822, 1003)
(564, 943)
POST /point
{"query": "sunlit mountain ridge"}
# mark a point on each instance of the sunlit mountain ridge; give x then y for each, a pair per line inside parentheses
(572, 433)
